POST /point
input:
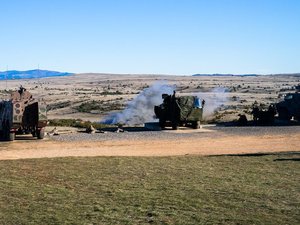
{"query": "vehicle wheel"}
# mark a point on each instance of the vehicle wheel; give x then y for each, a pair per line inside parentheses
(11, 136)
(162, 124)
(41, 133)
(174, 126)
(7, 135)
(196, 125)
(283, 114)
(34, 134)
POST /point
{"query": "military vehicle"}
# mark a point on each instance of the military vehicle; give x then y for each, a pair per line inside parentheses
(263, 115)
(179, 111)
(289, 107)
(22, 114)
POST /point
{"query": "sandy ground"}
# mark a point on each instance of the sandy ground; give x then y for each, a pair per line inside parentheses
(24, 149)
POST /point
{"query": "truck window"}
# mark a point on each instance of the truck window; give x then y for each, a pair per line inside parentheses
(288, 97)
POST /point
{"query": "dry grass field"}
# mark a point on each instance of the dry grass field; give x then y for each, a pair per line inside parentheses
(92, 96)
(258, 189)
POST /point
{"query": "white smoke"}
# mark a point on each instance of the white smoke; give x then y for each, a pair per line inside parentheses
(213, 100)
(141, 108)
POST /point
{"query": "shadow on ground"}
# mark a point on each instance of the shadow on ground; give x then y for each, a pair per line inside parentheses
(263, 154)
(251, 123)
(293, 155)
(288, 159)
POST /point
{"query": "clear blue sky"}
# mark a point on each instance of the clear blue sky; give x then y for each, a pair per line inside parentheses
(151, 36)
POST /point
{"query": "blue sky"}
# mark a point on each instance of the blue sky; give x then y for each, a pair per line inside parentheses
(151, 36)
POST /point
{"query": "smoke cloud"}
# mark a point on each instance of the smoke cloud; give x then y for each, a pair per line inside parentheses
(141, 108)
(213, 100)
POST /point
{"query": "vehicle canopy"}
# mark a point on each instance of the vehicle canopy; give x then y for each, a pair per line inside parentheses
(180, 110)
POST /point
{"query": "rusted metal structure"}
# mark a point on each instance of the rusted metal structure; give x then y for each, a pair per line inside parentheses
(22, 114)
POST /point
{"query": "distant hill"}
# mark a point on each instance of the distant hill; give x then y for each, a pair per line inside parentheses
(226, 75)
(30, 74)
(246, 75)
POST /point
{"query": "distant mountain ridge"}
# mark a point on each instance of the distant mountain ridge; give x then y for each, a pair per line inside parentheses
(30, 74)
(244, 75)
(223, 75)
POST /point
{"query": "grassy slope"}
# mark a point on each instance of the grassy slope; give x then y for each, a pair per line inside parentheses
(168, 190)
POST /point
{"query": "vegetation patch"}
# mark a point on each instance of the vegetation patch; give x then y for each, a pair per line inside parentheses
(75, 123)
(58, 105)
(101, 106)
(157, 190)
(111, 93)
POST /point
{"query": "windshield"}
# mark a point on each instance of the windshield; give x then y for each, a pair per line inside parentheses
(288, 97)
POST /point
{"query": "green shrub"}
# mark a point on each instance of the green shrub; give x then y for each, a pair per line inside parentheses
(102, 106)
(75, 123)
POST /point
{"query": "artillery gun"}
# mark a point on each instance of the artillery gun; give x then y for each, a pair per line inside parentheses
(22, 114)
(180, 111)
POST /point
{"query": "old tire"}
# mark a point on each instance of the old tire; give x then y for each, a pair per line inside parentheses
(40, 133)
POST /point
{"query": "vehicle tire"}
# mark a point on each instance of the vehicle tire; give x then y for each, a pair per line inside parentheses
(34, 134)
(283, 114)
(174, 126)
(7, 135)
(11, 136)
(162, 123)
(41, 133)
(196, 125)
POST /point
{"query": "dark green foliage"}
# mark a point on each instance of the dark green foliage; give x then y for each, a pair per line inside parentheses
(58, 105)
(102, 106)
(111, 92)
(75, 123)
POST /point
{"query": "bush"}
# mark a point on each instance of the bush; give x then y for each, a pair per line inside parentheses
(87, 107)
(75, 123)
(58, 105)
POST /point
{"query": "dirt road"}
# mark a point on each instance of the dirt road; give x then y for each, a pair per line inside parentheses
(212, 142)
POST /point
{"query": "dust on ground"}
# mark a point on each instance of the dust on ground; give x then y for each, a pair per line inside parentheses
(209, 141)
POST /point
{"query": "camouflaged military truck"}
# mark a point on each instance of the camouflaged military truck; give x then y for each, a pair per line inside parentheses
(289, 107)
(22, 114)
(179, 111)
(263, 115)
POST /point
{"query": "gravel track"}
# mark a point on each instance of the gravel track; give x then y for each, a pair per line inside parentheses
(136, 134)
